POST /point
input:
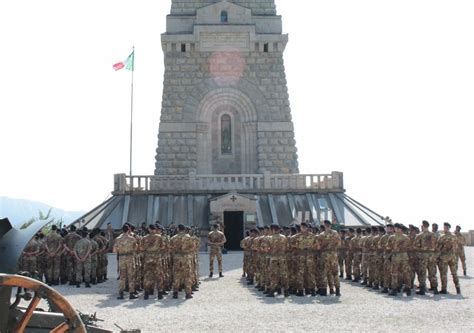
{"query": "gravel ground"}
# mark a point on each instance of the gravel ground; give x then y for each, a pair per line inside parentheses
(228, 304)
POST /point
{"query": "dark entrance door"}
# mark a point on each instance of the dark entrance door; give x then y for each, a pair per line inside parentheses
(234, 230)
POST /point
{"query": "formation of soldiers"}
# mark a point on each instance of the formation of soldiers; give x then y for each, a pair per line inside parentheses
(298, 260)
(157, 260)
(67, 256)
(308, 260)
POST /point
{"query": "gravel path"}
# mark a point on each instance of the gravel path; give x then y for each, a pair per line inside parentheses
(228, 304)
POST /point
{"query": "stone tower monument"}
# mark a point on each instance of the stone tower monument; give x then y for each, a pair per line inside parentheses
(225, 99)
(226, 148)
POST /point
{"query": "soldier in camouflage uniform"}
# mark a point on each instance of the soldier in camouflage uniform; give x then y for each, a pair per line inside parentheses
(153, 247)
(305, 244)
(277, 248)
(460, 249)
(54, 249)
(82, 253)
(29, 256)
(387, 259)
(216, 240)
(94, 259)
(253, 256)
(70, 241)
(182, 247)
(355, 248)
(342, 252)
(244, 245)
(126, 246)
(412, 253)
(329, 242)
(397, 245)
(350, 254)
(365, 255)
(447, 246)
(425, 246)
(371, 245)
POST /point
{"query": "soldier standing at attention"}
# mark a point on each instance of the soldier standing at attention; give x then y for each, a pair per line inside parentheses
(355, 248)
(82, 252)
(70, 241)
(94, 257)
(126, 246)
(460, 249)
(387, 259)
(447, 246)
(330, 242)
(398, 244)
(350, 254)
(28, 257)
(342, 252)
(425, 245)
(54, 249)
(277, 247)
(216, 239)
(244, 245)
(182, 247)
(153, 246)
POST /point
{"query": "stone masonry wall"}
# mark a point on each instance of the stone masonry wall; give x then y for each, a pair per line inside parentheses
(188, 72)
(258, 7)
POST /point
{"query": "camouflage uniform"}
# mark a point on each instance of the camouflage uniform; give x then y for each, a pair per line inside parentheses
(305, 244)
(371, 246)
(413, 258)
(154, 248)
(277, 247)
(54, 247)
(329, 243)
(28, 258)
(215, 236)
(354, 247)
(397, 245)
(425, 245)
(70, 241)
(342, 255)
(447, 246)
(182, 247)
(350, 256)
(94, 250)
(386, 276)
(291, 259)
(125, 246)
(83, 249)
(244, 245)
(365, 257)
(460, 250)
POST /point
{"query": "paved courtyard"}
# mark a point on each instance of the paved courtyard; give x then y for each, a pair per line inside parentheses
(228, 304)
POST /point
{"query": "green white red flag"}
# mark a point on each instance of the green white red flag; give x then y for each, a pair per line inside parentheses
(128, 64)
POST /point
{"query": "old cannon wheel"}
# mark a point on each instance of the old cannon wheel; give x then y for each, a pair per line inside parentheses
(72, 323)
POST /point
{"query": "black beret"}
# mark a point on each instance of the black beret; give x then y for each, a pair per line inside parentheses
(390, 225)
(327, 222)
(351, 229)
(359, 230)
(381, 229)
(368, 229)
(458, 227)
(304, 224)
(343, 231)
(152, 227)
(426, 224)
(275, 227)
(446, 224)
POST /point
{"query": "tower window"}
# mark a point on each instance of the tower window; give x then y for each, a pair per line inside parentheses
(224, 16)
(265, 47)
(226, 135)
(183, 47)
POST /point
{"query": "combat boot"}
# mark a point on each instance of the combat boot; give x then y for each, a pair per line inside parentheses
(341, 275)
(250, 282)
(160, 295)
(292, 291)
(132, 296)
(286, 293)
(261, 289)
(385, 291)
(270, 293)
(175, 295)
(210, 275)
(349, 278)
(120, 296)
(300, 293)
(443, 292)
(323, 292)
(422, 291)
(465, 273)
(435, 290)
(72, 283)
(364, 282)
(393, 293)
(408, 291)
(221, 275)
(279, 291)
(78, 285)
(458, 290)
(94, 281)
(338, 291)
(313, 292)
(189, 296)
(376, 286)
(331, 291)
(88, 285)
(147, 295)
(356, 279)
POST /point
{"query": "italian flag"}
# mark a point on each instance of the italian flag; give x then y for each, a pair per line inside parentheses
(128, 63)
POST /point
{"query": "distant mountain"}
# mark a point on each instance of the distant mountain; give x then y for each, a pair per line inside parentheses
(21, 210)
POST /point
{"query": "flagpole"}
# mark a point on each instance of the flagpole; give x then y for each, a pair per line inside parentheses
(131, 118)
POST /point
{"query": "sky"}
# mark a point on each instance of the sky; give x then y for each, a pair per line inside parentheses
(380, 90)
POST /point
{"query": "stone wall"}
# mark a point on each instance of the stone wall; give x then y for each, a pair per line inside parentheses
(189, 7)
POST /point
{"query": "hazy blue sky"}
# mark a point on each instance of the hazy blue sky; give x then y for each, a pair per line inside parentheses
(381, 90)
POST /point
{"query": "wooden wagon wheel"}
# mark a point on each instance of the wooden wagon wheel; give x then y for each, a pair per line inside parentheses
(72, 323)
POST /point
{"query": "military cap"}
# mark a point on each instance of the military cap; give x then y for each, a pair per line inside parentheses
(343, 231)
(458, 227)
(375, 229)
(266, 227)
(304, 224)
(359, 230)
(417, 229)
(316, 229)
(181, 227)
(152, 227)
(425, 223)
(215, 226)
(446, 224)
(85, 229)
(351, 229)
(327, 222)
(368, 229)
(381, 229)
(261, 228)
(434, 224)
(390, 225)
(411, 227)
(398, 226)
(275, 227)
